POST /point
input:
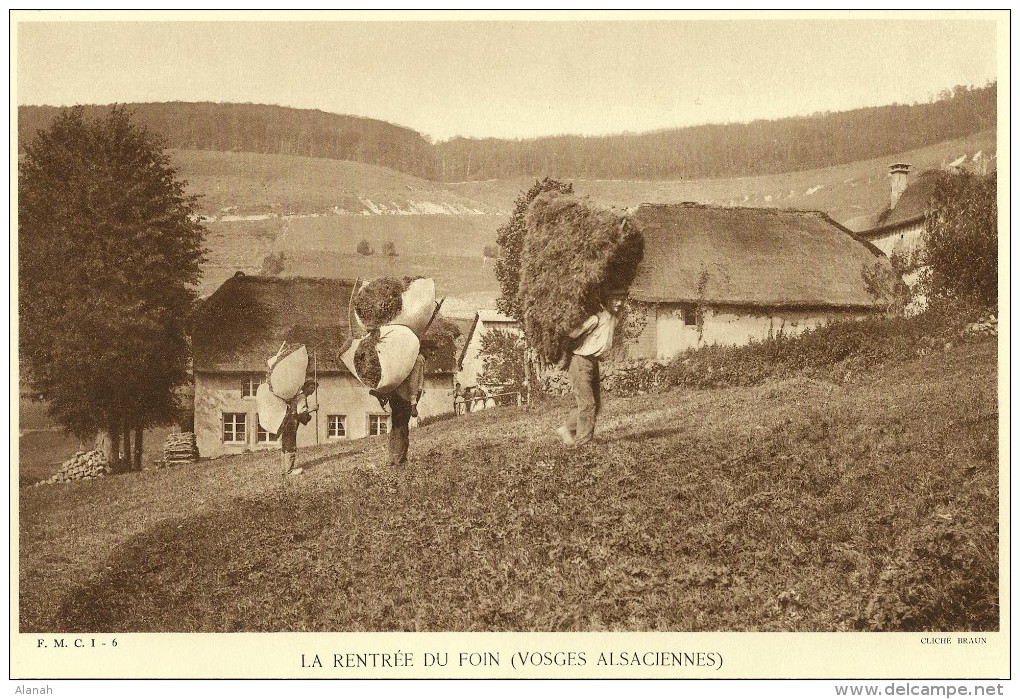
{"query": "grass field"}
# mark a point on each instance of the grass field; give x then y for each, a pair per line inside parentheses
(804, 504)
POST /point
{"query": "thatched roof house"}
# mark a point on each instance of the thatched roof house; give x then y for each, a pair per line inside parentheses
(729, 275)
(245, 321)
(770, 258)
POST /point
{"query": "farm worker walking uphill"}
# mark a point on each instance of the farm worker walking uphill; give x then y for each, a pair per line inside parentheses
(393, 313)
(278, 397)
(403, 405)
(297, 415)
(594, 338)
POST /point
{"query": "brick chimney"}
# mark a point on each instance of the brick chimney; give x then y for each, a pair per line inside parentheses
(898, 180)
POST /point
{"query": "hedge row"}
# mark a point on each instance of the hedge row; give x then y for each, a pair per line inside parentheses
(845, 346)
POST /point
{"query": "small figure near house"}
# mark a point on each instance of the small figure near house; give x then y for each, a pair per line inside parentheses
(458, 399)
(594, 342)
(297, 415)
(479, 399)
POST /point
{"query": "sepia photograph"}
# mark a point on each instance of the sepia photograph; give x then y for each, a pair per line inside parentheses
(441, 345)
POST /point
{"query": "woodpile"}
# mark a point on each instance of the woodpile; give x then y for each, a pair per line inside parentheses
(180, 448)
(987, 326)
(83, 466)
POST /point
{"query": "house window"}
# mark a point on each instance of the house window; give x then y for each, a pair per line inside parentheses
(234, 427)
(690, 314)
(263, 437)
(378, 424)
(249, 386)
(336, 426)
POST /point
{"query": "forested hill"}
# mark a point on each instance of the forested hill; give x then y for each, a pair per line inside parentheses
(715, 150)
(260, 128)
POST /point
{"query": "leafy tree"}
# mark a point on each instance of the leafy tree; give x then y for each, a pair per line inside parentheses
(510, 238)
(490, 251)
(365, 248)
(389, 249)
(503, 355)
(961, 240)
(109, 253)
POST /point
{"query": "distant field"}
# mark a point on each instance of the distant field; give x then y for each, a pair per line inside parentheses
(455, 236)
(448, 247)
(843, 192)
(257, 183)
(471, 282)
(240, 184)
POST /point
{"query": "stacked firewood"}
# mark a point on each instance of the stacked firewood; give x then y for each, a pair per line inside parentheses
(180, 448)
(85, 465)
(986, 326)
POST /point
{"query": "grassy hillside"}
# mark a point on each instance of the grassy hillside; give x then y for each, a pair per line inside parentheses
(316, 210)
(843, 192)
(806, 504)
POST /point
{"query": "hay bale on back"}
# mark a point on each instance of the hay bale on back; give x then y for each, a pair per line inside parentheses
(379, 301)
(572, 251)
(366, 360)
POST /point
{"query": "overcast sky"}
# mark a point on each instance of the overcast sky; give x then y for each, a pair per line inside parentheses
(511, 78)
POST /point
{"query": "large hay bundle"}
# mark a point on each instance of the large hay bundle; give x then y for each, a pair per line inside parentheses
(572, 251)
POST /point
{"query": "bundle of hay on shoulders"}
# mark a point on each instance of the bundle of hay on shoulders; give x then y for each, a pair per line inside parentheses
(394, 312)
(573, 251)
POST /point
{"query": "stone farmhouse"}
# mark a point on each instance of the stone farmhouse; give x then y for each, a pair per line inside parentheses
(245, 321)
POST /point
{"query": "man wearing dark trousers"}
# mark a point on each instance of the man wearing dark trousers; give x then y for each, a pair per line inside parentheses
(594, 343)
(404, 405)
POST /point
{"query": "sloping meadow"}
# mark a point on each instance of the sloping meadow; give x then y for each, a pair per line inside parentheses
(800, 504)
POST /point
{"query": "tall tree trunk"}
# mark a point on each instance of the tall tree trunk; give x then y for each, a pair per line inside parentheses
(113, 447)
(138, 449)
(125, 460)
(102, 444)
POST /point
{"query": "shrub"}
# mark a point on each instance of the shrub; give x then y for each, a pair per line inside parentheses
(961, 240)
(389, 249)
(365, 248)
(272, 264)
(841, 346)
(502, 356)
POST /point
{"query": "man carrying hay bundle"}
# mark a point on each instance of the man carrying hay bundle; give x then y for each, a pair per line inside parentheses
(387, 360)
(595, 342)
(576, 264)
(278, 399)
(297, 414)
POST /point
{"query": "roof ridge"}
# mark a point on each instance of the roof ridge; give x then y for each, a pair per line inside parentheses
(772, 210)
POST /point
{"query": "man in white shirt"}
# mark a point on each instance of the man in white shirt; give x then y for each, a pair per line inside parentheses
(595, 337)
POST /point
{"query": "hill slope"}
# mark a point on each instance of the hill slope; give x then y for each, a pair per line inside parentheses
(315, 210)
(806, 504)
